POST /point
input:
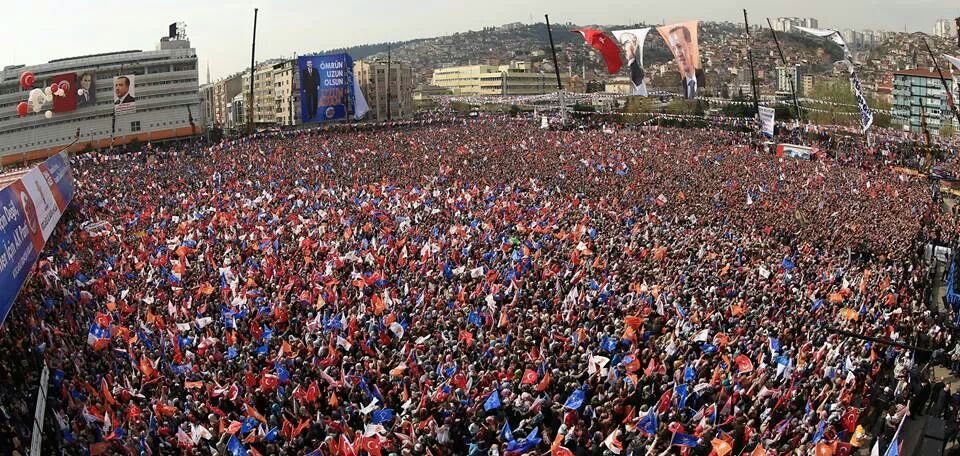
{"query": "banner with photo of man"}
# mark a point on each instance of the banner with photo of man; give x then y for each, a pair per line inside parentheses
(86, 89)
(682, 39)
(124, 95)
(631, 41)
(325, 83)
(767, 115)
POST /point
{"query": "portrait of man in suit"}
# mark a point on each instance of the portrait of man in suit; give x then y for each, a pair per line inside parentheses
(633, 51)
(86, 94)
(310, 82)
(681, 42)
(121, 91)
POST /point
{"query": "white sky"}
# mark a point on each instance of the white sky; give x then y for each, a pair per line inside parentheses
(40, 30)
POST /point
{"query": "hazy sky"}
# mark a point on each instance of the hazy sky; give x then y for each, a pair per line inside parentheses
(40, 30)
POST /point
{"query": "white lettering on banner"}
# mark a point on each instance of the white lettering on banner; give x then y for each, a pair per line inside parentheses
(10, 247)
(8, 215)
(331, 65)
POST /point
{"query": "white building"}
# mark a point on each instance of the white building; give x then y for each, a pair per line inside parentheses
(944, 28)
(167, 102)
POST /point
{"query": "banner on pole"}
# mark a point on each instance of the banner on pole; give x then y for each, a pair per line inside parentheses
(684, 44)
(631, 41)
(766, 120)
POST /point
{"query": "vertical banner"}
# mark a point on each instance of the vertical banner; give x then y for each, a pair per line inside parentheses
(682, 38)
(866, 116)
(87, 89)
(324, 86)
(29, 211)
(631, 41)
(124, 94)
(360, 106)
(766, 120)
(67, 100)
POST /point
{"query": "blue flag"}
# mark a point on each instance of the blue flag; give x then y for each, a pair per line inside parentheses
(381, 416)
(894, 448)
(282, 373)
(231, 352)
(608, 344)
(507, 433)
(235, 448)
(648, 423)
(248, 425)
(818, 436)
(788, 264)
(689, 374)
(525, 444)
(775, 345)
(492, 402)
(272, 434)
(709, 348)
(682, 439)
(575, 401)
(683, 392)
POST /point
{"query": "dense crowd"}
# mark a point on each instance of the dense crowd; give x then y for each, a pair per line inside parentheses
(476, 288)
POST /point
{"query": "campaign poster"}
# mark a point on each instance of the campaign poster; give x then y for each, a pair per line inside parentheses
(766, 120)
(65, 100)
(86, 89)
(631, 41)
(683, 42)
(324, 86)
(124, 94)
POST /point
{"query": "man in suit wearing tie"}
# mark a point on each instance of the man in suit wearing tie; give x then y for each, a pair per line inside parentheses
(310, 81)
(121, 91)
(680, 42)
(632, 49)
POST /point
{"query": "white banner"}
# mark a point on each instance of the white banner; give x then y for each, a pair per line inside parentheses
(767, 120)
(631, 42)
(866, 116)
(360, 106)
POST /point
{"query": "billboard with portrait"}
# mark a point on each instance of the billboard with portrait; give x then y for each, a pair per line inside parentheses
(631, 41)
(683, 42)
(124, 94)
(86, 89)
(324, 86)
(66, 101)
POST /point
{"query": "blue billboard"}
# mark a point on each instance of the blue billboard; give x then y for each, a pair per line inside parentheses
(324, 86)
(29, 211)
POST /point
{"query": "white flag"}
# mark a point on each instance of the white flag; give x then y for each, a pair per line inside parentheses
(360, 106)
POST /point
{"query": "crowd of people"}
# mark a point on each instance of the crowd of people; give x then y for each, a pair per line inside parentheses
(476, 287)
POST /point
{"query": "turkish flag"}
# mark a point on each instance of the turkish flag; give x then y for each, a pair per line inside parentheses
(606, 45)
(529, 377)
(370, 444)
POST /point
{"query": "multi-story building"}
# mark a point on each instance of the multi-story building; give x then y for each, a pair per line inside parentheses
(387, 86)
(206, 105)
(788, 78)
(286, 92)
(786, 24)
(224, 91)
(944, 28)
(920, 101)
(513, 79)
(807, 85)
(237, 112)
(165, 85)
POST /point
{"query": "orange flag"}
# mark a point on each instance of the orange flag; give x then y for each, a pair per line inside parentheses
(825, 449)
(333, 400)
(544, 382)
(759, 451)
(721, 447)
(105, 390)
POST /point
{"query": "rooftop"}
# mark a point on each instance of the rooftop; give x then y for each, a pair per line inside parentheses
(923, 72)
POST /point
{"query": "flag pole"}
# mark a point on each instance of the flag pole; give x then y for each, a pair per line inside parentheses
(793, 87)
(950, 102)
(753, 75)
(556, 70)
(253, 51)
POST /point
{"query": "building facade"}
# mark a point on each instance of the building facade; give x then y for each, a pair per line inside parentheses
(286, 92)
(166, 87)
(920, 101)
(944, 28)
(206, 105)
(388, 88)
(224, 91)
(515, 78)
(807, 85)
(789, 78)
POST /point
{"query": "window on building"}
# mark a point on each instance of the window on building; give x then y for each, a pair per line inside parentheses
(135, 125)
